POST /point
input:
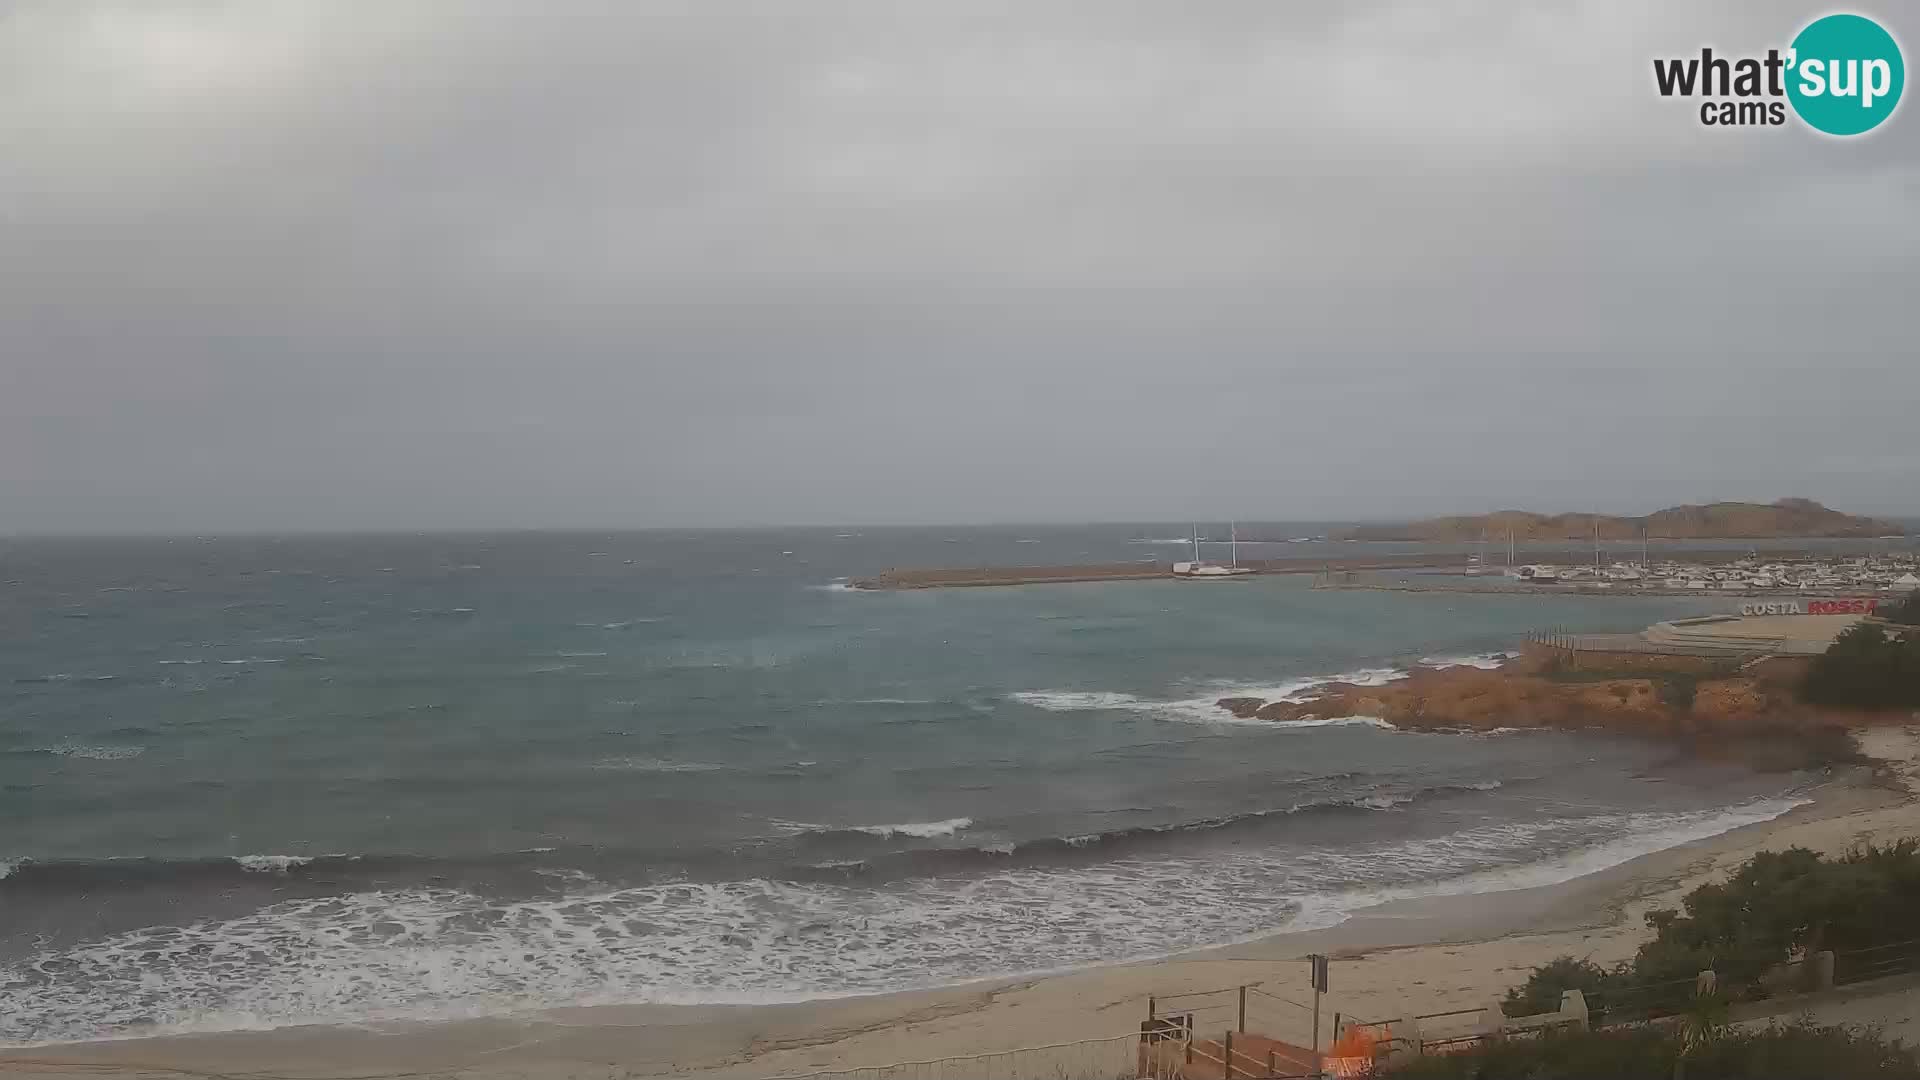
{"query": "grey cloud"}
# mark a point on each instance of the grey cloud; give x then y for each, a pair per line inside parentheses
(309, 265)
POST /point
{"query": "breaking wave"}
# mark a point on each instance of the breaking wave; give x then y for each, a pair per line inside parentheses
(1486, 661)
(94, 753)
(656, 765)
(430, 953)
(924, 830)
(1205, 708)
(271, 863)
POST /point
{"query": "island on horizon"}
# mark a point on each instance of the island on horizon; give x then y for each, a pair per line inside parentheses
(1710, 521)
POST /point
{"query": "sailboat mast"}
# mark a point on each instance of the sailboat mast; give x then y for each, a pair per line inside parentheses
(1233, 544)
(1196, 545)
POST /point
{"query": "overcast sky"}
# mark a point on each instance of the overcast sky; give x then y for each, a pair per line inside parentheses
(334, 264)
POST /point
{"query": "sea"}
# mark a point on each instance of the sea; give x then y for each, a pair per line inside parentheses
(249, 782)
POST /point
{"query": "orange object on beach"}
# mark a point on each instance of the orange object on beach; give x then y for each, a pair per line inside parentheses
(1352, 1053)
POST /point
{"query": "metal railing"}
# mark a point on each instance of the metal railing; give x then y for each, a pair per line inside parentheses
(1113, 1058)
(1875, 962)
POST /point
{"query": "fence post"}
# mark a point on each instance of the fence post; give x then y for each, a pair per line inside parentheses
(1226, 1056)
(1273, 1064)
(1150, 1005)
(1573, 1006)
(1243, 1010)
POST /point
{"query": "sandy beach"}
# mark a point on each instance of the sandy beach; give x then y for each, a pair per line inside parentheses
(1421, 956)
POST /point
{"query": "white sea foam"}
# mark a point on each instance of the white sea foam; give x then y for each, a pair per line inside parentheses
(1487, 660)
(1204, 708)
(656, 765)
(924, 830)
(835, 586)
(435, 954)
(577, 877)
(1074, 700)
(1634, 835)
(8, 866)
(1331, 721)
(272, 864)
(96, 753)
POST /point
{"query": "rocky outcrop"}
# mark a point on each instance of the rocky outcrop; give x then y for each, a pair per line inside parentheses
(1712, 521)
(1526, 695)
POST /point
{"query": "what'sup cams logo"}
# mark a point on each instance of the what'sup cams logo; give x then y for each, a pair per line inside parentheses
(1842, 75)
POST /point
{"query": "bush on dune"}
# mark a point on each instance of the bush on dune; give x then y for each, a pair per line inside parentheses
(1779, 904)
(1867, 668)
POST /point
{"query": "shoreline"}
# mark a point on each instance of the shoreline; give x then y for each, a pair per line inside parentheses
(1412, 955)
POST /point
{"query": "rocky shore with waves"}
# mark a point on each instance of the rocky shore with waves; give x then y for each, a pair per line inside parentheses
(1747, 711)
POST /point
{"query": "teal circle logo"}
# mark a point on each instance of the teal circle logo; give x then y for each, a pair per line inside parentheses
(1845, 74)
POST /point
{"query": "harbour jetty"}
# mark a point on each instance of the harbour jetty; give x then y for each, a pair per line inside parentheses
(1333, 569)
(961, 576)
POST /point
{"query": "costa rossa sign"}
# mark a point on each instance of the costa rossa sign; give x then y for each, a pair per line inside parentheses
(1853, 605)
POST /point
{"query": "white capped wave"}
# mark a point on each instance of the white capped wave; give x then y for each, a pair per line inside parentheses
(1331, 721)
(8, 866)
(439, 954)
(1205, 708)
(577, 877)
(96, 753)
(1487, 660)
(924, 830)
(1635, 835)
(272, 863)
(835, 586)
(1075, 700)
(656, 765)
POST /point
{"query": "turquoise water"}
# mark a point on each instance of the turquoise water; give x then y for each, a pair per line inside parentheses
(341, 778)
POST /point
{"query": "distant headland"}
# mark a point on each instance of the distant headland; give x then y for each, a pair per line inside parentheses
(1712, 521)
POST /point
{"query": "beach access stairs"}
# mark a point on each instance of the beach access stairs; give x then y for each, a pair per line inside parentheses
(1226, 1034)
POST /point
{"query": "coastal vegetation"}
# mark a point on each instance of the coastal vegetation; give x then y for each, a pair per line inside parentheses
(1798, 1052)
(1868, 668)
(1779, 906)
(1711, 521)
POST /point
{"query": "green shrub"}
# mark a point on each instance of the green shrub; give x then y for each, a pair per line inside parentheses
(1541, 992)
(1866, 668)
(1777, 904)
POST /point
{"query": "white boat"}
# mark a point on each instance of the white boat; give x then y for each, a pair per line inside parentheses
(1201, 570)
